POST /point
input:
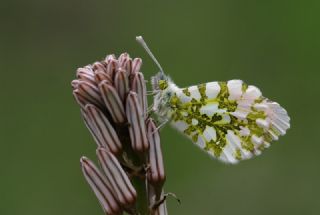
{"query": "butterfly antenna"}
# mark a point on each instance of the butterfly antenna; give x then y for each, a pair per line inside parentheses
(141, 41)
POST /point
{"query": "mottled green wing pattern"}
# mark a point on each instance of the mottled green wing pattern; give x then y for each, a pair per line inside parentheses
(230, 120)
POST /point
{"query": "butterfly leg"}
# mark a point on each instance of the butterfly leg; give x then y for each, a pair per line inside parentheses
(164, 197)
(161, 125)
(150, 109)
(152, 92)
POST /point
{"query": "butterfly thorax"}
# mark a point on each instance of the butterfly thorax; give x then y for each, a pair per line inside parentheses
(164, 89)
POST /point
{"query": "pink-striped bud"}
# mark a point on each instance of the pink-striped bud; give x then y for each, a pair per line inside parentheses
(136, 65)
(102, 76)
(90, 127)
(126, 194)
(121, 83)
(105, 133)
(86, 74)
(100, 187)
(125, 62)
(138, 85)
(156, 174)
(112, 66)
(99, 67)
(112, 101)
(137, 128)
(90, 93)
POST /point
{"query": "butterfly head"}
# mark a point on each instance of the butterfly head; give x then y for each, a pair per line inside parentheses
(160, 82)
(163, 84)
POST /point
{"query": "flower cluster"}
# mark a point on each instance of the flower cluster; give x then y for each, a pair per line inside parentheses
(113, 102)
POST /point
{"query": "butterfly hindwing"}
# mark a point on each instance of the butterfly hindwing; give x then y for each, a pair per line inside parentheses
(229, 120)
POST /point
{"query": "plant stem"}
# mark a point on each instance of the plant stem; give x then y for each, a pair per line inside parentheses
(142, 200)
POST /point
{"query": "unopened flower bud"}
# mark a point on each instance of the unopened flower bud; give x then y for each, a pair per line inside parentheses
(121, 83)
(101, 188)
(156, 174)
(104, 131)
(138, 85)
(136, 65)
(137, 128)
(126, 194)
(112, 101)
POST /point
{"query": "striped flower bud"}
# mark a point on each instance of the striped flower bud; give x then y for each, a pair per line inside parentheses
(104, 131)
(112, 66)
(84, 70)
(100, 187)
(74, 84)
(102, 76)
(136, 65)
(86, 74)
(126, 194)
(99, 67)
(156, 174)
(121, 83)
(137, 128)
(125, 62)
(138, 85)
(79, 98)
(90, 93)
(90, 127)
(112, 101)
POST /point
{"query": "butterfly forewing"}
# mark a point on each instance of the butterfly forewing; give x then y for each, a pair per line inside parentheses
(230, 120)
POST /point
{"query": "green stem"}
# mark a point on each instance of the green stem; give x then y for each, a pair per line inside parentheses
(142, 201)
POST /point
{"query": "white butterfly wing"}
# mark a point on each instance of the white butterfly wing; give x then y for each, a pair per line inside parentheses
(229, 120)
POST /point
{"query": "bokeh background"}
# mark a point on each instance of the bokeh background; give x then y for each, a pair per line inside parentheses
(271, 44)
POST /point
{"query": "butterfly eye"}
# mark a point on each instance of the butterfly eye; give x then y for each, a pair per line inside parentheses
(163, 84)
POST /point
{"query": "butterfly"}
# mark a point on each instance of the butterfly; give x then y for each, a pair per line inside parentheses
(231, 121)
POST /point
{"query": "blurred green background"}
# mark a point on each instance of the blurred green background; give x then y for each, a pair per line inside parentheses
(271, 44)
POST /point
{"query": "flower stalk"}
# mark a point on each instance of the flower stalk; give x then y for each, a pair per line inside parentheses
(113, 103)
